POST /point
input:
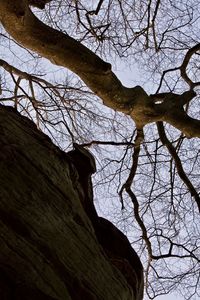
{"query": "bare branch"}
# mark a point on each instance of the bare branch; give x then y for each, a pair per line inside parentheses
(178, 163)
(183, 67)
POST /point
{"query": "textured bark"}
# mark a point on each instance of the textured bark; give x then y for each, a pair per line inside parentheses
(49, 247)
(63, 50)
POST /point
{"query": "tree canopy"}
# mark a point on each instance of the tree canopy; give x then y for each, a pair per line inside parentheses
(59, 62)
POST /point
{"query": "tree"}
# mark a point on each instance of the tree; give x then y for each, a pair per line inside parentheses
(155, 172)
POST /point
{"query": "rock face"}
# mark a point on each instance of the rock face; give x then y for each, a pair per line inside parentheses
(114, 243)
(50, 248)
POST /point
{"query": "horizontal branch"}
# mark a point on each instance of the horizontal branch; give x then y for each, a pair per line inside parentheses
(180, 120)
(61, 49)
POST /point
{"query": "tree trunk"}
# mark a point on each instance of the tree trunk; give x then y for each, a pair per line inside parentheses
(48, 247)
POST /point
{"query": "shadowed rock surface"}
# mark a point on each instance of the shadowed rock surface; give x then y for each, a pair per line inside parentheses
(49, 248)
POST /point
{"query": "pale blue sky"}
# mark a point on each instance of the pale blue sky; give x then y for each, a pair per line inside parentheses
(130, 77)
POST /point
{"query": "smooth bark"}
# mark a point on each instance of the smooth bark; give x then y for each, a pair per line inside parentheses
(61, 49)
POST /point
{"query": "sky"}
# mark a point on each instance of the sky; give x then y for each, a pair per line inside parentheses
(131, 77)
(170, 297)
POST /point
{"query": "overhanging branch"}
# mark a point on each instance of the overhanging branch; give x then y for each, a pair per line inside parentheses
(61, 49)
